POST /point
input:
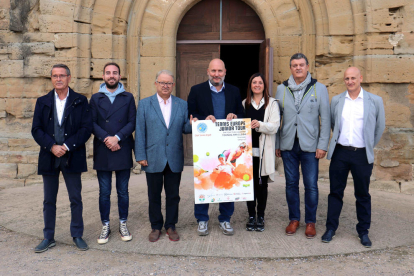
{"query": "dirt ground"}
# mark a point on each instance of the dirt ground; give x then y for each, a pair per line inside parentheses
(18, 258)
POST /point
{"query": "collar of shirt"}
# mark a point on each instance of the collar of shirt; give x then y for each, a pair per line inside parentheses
(261, 103)
(57, 96)
(360, 95)
(161, 100)
(214, 89)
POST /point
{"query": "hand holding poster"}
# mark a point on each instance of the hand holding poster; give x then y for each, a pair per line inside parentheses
(223, 167)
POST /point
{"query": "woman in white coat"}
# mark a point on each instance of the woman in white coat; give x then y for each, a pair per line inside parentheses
(265, 115)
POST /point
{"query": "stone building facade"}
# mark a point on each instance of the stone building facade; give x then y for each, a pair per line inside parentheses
(140, 35)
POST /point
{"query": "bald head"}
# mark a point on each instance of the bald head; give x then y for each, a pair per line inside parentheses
(353, 79)
(216, 72)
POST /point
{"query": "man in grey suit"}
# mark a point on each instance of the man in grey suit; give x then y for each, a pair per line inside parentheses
(358, 121)
(161, 121)
(303, 139)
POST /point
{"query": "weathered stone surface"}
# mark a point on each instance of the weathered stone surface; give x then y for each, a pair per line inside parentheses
(11, 68)
(22, 144)
(401, 172)
(101, 46)
(24, 87)
(389, 163)
(8, 170)
(24, 170)
(20, 108)
(55, 24)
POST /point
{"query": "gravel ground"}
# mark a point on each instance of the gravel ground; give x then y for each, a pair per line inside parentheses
(17, 258)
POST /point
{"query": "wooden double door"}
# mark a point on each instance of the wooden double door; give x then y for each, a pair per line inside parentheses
(225, 29)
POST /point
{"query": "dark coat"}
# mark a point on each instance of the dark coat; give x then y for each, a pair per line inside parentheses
(110, 119)
(77, 123)
(200, 103)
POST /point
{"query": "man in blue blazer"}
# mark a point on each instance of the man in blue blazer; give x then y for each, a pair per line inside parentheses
(161, 121)
(113, 112)
(62, 124)
(211, 100)
(358, 121)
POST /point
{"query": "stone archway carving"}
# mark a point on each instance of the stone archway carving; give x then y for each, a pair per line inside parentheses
(153, 28)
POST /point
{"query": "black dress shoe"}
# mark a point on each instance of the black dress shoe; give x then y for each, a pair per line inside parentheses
(44, 245)
(365, 241)
(327, 237)
(80, 244)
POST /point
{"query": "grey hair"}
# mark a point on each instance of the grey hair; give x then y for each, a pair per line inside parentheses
(167, 72)
(298, 56)
(64, 66)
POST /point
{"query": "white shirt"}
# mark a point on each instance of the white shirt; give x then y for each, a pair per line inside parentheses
(165, 109)
(214, 89)
(60, 106)
(60, 109)
(351, 130)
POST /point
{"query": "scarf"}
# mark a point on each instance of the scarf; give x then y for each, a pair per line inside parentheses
(298, 89)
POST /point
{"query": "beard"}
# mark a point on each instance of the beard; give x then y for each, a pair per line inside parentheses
(115, 85)
(216, 83)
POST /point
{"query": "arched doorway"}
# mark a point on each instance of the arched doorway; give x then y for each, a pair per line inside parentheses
(226, 29)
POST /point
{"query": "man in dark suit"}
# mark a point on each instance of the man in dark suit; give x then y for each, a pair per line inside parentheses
(213, 100)
(161, 121)
(62, 124)
(358, 121)
(113, 112)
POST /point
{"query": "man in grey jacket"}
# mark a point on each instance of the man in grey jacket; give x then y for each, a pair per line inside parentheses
(303, 139)
(358, 121)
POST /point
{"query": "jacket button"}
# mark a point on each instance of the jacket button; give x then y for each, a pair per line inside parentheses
(298, 112)
(167, 145)
(74, 145)
(168, 134)
(53, 134)
(107, 121)
(296, 124)
(66, 134)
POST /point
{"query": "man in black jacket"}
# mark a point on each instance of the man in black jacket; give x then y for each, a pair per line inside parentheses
(213, 100)
(113, 112)
(62, 124)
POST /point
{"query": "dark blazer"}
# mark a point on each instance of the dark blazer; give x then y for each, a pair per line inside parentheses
(200, 104)
(77, 121)
(155, 142)
(110, 119)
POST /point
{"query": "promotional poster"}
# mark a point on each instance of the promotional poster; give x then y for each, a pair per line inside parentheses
(223, 164)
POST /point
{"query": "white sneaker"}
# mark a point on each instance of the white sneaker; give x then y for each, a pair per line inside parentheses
(202, 228)
(226, 227)
(104, 237)
(123, 230)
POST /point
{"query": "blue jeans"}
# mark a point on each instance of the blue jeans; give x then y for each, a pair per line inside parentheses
(310, 168)
(105, 187)
(226, 211)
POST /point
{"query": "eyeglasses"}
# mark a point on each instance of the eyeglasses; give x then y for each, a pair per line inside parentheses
(168, 84)
(59, 76)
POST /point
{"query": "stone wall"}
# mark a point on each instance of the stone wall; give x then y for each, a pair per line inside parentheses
(377, 36)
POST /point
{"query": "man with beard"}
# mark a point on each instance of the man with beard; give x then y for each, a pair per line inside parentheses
(113, 112)
(303, 139)
(212, 100)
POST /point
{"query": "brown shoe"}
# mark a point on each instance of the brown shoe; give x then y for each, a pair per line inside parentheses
(154, 235)
(310, 231)
(292, 227)
(172, 234)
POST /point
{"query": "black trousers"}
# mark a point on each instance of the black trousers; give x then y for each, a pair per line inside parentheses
(343, 161)
(171, 182)
(50, 189)
(260, 192)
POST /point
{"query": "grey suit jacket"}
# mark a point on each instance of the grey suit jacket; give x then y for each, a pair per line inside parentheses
(155, 142)
(311, 122)
(374, 121)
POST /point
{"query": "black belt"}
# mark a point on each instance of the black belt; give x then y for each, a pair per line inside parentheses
(349, 147)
